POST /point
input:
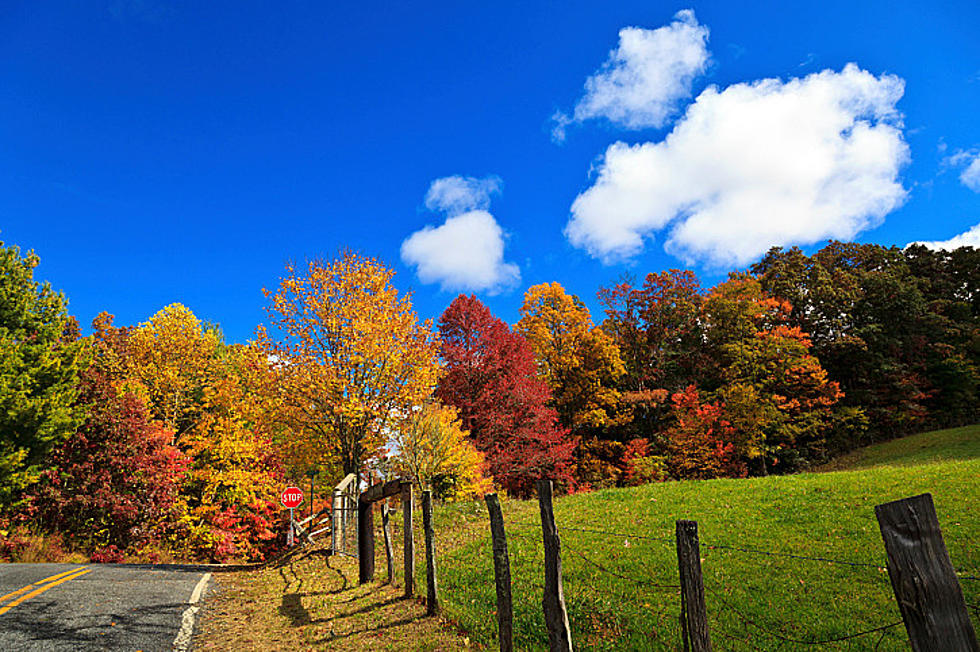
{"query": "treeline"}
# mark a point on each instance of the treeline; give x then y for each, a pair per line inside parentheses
(773, 370)
(161, 440)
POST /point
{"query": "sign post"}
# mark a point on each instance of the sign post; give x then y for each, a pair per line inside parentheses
(291, 498)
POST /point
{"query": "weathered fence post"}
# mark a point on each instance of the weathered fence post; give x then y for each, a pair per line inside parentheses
(365, 540)
(335, 540)
(501, 575)
(409, 538)
(389, 555)
(922, 576)
(694, 613)
(432, 597)
(555, 615)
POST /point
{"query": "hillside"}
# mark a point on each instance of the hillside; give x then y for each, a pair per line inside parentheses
(753, 598)
(925, 448)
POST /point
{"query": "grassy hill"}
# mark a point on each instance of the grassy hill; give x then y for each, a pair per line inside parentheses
(618, 553)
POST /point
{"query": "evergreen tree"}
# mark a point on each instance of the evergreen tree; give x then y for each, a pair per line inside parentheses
(39, 361)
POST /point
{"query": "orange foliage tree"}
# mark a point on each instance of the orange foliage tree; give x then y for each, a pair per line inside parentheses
(778, 397)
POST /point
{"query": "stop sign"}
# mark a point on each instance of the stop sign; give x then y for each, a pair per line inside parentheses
(291, 497)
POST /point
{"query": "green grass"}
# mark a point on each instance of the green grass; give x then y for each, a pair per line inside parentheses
(814, 514)
(936, 446)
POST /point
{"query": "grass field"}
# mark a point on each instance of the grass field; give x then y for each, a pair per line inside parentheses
(753, 599)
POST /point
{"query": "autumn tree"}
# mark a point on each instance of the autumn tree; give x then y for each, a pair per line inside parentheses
(660, 333)
(173, 355)
(351, 357)
(117, 479)
(491, 379)
(778, 398)
(579, 361)
(658, 329)
(700, 442)
(867, 318)
(39, 361)
(433, 449)
(216, 403)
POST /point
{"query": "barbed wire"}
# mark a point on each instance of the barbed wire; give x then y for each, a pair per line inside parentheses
(618, 535)
(718, 546)
(771, 553)
(787, 639)
(580, 593)
(620, 576)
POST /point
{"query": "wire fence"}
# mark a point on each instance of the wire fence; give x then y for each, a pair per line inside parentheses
(751, 631)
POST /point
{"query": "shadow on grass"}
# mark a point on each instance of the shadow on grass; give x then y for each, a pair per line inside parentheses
(293, 608)
(367, 630)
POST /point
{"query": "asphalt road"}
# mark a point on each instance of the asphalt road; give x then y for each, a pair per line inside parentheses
(96, 606)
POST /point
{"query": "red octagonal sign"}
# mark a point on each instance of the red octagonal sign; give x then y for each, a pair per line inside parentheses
(291, 497)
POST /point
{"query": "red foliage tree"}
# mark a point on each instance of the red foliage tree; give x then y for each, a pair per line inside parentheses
(700, 442)
(114, 482)
(492, 380)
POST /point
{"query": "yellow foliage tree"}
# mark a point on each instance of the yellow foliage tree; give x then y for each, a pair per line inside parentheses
(173, 356)
(351, 357)
(433, 449)
(219, 402)
(579, 361)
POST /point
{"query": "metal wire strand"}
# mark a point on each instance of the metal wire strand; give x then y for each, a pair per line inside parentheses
(617, 535)
(769, 553)
(615, 574)
(787, 639)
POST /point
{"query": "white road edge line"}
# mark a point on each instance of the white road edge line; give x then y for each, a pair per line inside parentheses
(183, 641)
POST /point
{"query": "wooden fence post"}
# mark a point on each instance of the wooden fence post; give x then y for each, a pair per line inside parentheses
(335, 540)
(555, 615)
(409, 538)
(922, 576)
(365, 541)
(432, 597)
(694, 613)
(389, 555)
(501, 575)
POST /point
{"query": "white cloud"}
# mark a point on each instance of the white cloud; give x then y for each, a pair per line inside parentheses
(970, 176)
(643, 80)
(456, 194)
(750, 167)
(466, 252)
(969, 238)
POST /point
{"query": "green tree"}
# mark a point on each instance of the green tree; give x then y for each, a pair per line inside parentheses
(39, 362)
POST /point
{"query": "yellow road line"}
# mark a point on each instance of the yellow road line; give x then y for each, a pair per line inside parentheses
(39, 583)
(37, 592)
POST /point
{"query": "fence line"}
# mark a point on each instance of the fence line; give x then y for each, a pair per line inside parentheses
(719, 546)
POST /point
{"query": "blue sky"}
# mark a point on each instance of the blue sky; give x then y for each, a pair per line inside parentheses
(161, 151)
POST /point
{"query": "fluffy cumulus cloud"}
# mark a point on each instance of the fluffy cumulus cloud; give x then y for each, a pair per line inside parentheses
(969, 238)
(750, 167)
(645, 78)
(466, 252)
